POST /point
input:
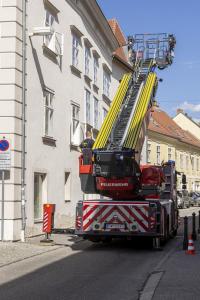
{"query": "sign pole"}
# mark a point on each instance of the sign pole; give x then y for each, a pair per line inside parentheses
(2, 207)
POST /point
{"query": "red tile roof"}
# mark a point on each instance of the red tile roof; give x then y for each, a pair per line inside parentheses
(162, 123)
(121, 39)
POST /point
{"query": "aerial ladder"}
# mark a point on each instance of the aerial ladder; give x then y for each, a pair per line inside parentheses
(134, 200)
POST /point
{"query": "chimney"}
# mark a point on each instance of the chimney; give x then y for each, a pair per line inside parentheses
(179, 111)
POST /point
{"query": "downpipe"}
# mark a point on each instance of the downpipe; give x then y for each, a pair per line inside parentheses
(23, 200)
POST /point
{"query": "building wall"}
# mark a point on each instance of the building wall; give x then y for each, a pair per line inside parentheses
(185, 123)
(55, 157)
(50, 156)
(11, 107)
(179, 153)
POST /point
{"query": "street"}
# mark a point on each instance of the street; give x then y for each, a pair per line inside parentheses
(82, 270)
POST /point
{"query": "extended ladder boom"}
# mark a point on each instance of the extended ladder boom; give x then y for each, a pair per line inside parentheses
(126, 122)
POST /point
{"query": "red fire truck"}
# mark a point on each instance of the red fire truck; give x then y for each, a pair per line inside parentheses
(134, 200)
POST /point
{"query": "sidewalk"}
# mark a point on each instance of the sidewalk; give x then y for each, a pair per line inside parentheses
(11, 252)
(181, 277)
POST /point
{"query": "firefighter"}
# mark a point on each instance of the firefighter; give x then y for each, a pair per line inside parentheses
(88, 142)
(86, 148)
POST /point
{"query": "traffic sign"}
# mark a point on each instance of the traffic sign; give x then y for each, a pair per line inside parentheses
(5, 155)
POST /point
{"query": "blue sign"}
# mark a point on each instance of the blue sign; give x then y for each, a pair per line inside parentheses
(4, 145)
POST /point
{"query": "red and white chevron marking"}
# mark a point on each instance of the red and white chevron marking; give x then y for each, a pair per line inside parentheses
(78, 222)
(136, 214)
(45, 221)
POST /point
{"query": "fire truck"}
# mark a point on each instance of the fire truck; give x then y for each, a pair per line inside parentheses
(134, 200)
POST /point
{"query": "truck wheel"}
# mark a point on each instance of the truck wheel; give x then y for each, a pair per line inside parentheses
(94, 239)
(107, 240)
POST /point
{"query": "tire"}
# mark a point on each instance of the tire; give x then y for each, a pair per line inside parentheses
(94, 239)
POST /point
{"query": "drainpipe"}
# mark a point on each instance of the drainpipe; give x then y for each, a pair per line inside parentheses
(23, 211)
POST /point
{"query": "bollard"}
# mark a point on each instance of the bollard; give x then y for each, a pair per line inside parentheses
(48, 221)
(199, 223)
(194, 234)
(185, 238)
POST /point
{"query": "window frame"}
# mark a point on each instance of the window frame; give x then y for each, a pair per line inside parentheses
(95, 70)
(48, 111)
(96, 113)
(67, 186)
(104, 113)
(187, 162)
(41, 196)
(87, 54)
(181, 161)
(158, 158)
(48, 23)
(75, 50)
(192, 163)
(75, 119)
(88, 107)
(169, 153)
(148, 152)
(106, 83)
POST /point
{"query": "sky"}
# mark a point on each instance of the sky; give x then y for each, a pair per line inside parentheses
(181, 81)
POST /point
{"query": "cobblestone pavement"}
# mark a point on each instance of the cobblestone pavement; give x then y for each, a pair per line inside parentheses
(17, 251)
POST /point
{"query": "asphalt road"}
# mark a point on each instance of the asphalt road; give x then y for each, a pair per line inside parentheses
(86, 271)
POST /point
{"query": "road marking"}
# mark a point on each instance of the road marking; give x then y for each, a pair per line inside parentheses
(152, 282)
(163, 260)
(150, 286)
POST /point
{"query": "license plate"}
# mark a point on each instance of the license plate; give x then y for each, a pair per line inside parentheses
(115, 226)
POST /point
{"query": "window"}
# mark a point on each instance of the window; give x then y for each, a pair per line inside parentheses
(39, 195)
(75, 50)
(106, 83)
(192, 162)
(96, 113)
(55, 40)
(67, 186)
(95, 70)
(148, 152)
(158, 154)
(181, 161)
(49, 22)
(197, 164)
(104, 113)
(87, 61)
(87, 106)
(169, 153)
(48, 105)
(75, 117)
(187, 162)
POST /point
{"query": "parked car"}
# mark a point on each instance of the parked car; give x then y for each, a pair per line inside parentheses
(180, 202)
(186, 198)
(183, 199)
(195, 197)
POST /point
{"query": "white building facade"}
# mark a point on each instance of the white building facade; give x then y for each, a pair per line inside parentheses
(53, 88)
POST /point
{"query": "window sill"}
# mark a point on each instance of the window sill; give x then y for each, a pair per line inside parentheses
(75, 71)
(49, 52)
(49, 141)
(106, 99)
(95, 88)
(74, 147)
(87, 79)
(38, 221)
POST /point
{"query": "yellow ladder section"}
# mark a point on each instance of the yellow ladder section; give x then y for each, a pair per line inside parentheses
(112, 114)
(141, 109)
